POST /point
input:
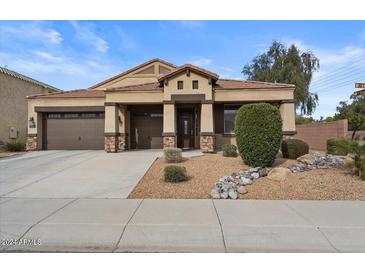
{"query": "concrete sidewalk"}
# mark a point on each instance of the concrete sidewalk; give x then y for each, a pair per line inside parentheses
(121, 225)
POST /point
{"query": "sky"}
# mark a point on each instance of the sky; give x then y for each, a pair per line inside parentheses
(78, 54)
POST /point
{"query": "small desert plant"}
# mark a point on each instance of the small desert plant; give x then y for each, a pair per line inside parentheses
(229, 150)
(175, 174)
(258, 129)
(173, 155)
(14, 147)
(294, 148)
(340, 146)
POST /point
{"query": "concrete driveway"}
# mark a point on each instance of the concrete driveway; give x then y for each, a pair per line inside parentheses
(73, 174)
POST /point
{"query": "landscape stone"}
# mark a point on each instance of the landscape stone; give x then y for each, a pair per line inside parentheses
(232, 194)
(242, 190)
(255, 175)
(215, 194)
(278, 174)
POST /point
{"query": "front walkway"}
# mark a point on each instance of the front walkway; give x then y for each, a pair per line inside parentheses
(123, 225)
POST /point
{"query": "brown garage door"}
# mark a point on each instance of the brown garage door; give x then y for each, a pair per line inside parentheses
(146, 130)
(66, 131)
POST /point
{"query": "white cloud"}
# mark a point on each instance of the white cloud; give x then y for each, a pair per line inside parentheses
(191, 23)
(34, 31)
(47, 56)
(46, 64)
(200, 61)
(84, 33)
(126, 41)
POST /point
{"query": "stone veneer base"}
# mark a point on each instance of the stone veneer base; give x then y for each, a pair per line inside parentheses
(207, 143)
(169, 141)
(111, 143)
(122, 142)
(31, 143)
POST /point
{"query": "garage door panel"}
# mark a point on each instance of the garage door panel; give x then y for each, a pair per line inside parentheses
(147, 132)
(67, 134)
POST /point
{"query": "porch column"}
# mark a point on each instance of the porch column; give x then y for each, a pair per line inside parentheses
(122, 121)
(34, 128)
(169, 125)
(111, 131)
(207, 137)
(287, 111)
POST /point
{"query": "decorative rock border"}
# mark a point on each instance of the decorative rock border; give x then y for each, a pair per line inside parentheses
(229, 187)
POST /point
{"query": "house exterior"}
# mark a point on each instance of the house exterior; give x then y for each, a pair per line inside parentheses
(14, 87)
(154, 105)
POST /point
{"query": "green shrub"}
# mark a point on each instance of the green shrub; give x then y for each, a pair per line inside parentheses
(229, 150)
(14, 147)
(173, 155)
(258, 129)
(294, 148)
(340, 146)
(175, 174)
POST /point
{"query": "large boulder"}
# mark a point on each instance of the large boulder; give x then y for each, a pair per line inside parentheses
(348, 160)
(307, 159)
(278, 174)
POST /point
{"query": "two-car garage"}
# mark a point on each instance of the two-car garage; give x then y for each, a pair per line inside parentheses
(73, 130)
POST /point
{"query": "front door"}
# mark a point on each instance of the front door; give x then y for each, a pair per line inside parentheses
(185, 133)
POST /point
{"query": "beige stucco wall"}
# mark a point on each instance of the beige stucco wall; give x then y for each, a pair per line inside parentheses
(253, 95)
(123, 118)
(13, 105)
(135, 77)
(134, 97)
(287, 111)
(55, 102)
(111, 119)
(169, 121)
(220, 139)
(204, 86)
(206, 118)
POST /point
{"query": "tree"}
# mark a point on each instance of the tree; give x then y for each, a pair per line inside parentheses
(354, 112)
(287, 65)
(301, 120)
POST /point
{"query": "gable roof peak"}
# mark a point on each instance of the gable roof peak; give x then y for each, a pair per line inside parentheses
(192, 67)
(151, 61)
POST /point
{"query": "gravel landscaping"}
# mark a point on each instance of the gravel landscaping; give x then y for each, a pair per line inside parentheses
(4, 154)
(334, 183)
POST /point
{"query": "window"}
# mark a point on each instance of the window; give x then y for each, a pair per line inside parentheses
(229, 117)
(71, 115)
(180, 84)
(195, 84)
(53, 116)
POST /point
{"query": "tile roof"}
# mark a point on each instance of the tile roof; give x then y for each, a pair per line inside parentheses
(191, 67)
(133, 69)
(78, 93)
(245, 84)
(26, 78)
(139, 87)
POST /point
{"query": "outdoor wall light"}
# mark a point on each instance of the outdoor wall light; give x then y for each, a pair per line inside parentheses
(32, 122)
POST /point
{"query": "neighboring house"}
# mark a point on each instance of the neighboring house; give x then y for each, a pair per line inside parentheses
(14, 87)
(153, 105)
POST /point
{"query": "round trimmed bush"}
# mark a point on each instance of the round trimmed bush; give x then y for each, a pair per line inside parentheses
(294, 148)
(258, 129)
(175, 174)
(229, 150)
